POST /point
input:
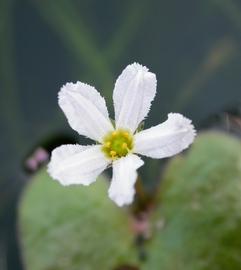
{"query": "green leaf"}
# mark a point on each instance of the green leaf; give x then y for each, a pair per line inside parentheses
(73, 227)
(198, 220)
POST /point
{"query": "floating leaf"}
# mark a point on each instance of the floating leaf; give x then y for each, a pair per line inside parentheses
(199, 219)
(73, 227)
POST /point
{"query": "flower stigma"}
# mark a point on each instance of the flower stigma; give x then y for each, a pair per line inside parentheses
(117, 144)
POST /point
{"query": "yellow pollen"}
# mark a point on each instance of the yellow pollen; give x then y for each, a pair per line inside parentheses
(114, 133)
(113, 153)
(107, 144)
(117, 143)
(126, 134)
(124, 145)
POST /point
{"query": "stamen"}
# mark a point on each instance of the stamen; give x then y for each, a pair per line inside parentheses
(124, 145)
(107, 144)
(126, 135)
(112, 153)
(114, 133)
(117, 144)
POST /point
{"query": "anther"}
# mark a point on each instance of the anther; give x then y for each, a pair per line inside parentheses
(114, 133)
(112, 153)
(126, 134)
(124, 145)
(107, 144)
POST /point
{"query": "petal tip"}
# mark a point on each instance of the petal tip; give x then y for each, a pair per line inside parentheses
(138, 67)
(141, 68)
(181, 122)
(121, 199)
(73, 87)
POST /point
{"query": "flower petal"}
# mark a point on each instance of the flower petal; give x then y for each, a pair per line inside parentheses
(166, 139)
(134, 91)
(122, 188)
(76, 164)
(85, 110)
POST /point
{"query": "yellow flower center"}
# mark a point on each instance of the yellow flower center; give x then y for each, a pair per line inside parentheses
(117, 144)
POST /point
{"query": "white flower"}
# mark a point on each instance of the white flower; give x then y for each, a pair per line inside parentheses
(118, 146)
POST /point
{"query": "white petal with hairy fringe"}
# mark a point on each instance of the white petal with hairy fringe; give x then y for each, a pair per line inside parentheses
(166, 139)
(76, 164)
(122, 188)
(133, 93)
(85, 110)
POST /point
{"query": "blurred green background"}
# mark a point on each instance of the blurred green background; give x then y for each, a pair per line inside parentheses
(194, 47)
